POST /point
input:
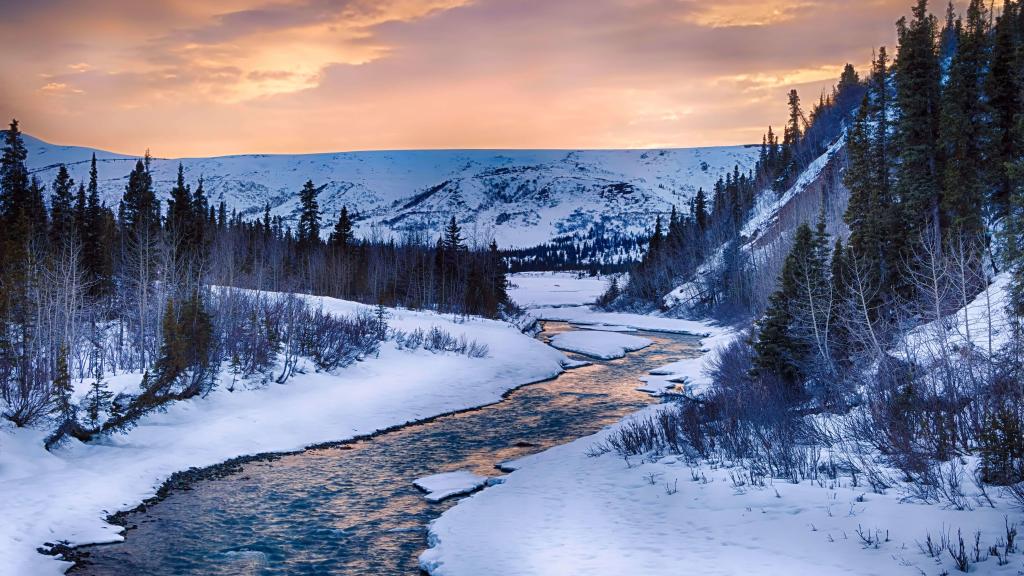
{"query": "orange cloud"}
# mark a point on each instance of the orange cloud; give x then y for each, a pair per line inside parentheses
(724, 13)
(189, 77)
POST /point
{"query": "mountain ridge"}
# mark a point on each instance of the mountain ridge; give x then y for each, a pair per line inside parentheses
(519, 198)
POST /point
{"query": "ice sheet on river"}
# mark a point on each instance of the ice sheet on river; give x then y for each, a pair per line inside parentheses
(603, 345)
(448, 484)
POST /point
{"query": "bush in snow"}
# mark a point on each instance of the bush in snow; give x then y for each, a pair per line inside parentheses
(438, 340)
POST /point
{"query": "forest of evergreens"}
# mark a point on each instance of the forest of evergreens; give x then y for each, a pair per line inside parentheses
(180, 291)
(863, 317)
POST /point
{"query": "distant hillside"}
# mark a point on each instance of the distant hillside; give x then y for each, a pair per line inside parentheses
(518, 197)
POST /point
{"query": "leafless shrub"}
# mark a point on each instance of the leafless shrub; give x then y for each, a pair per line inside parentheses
(959, 553)
(672, 488)
(438, 340)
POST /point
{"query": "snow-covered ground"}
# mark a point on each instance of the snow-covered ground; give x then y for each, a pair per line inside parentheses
(565, 511)
(596, 344)
(67, 493)
(583, 316)
(448, 484)
(535, 289)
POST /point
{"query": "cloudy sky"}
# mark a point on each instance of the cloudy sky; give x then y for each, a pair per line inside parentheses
(196, 78)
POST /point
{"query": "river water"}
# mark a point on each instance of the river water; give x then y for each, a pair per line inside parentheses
(352, 509)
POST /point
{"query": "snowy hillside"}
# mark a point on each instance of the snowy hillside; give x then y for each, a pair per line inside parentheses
(519, 197)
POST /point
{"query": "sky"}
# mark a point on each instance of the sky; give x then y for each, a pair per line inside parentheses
(202, 78)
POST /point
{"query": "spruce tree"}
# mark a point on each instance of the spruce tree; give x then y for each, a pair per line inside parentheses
(63, 404)
(1003, 87)
(200, 228)
(97, 400)
(309, 217)
(779, 351)
(97, 238)
(1013, 232)
(81, 213)
(139, 211)
(342, 235)
(180, 213)
(62, 216)
(840, 337)
(700, 210)
(962, 128)
(790, 141)
(453, 241)
(917, 97)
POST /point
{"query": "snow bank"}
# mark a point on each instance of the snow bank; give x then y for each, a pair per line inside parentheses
(563, 512)
(66, 494)
(602, 345)
(534, 289)
(983, 324)
(583, 316)
(447, 484)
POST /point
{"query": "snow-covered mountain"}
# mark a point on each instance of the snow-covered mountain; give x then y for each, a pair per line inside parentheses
(518, 197)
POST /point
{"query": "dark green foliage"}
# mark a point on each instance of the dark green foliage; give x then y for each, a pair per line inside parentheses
(963, 127)
(63, 405)
(179, 210)
(779, 350)
(62, 214)
(342, 235)
(186, 354)
(917, 97)
(1002, 445)
(1003, 86)
(98, 401)
(309, 217)
(139, 211)
(1014, 236)
(98, 234)
(790, 141)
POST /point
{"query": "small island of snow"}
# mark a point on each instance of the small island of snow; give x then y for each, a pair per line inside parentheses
(448, 484)
(601, 345)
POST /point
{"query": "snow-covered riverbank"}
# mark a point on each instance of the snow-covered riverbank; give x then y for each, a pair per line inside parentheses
(65, 495)
(569, 511)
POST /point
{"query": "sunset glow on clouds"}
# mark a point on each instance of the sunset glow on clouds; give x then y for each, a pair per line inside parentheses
(188, 77)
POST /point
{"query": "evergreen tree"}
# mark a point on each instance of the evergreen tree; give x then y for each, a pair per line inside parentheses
(840, 337)
(139, 211)
(342, 235)
(498, 281)
(179, 211)
(962, 128)
(97, 400)
(15, 194)
(779, 350)
(790, 140)
(97, 238)
(201, 235)
(62, 216)
(81, 213)
(917, 97)
(700, 209)
(1014, 234)
(1003, 86)
(309, 217)
(453, 241)
(63, 405)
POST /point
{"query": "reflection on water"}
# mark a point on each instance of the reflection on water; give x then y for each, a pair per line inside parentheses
(353, 509)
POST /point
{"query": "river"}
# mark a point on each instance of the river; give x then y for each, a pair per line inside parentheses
(351, 509)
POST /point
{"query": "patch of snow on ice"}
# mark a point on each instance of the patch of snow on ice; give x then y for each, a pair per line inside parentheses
(448, 484)
(603, 345)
